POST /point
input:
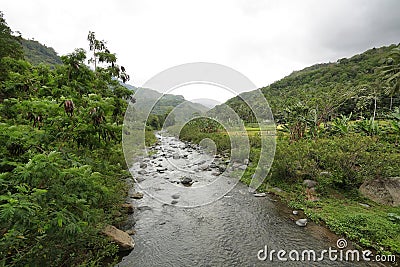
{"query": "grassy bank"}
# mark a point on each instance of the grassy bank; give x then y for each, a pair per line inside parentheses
(340, 164)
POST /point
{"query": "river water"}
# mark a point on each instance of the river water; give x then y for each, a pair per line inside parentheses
(230, 231)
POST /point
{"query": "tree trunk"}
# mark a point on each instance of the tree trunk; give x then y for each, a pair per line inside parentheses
(94, 56)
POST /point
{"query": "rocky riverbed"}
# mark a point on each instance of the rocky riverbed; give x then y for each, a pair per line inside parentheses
(193, 213)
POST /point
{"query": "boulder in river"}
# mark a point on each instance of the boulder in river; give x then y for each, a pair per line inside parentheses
(201, 162)
(121, 238)
(203, 167)
(142, 172)
(161, 170)
(139, 179)
(143, 165)
(137, 195)
(301, 222)
(186, 181)
(221, 168)
(175, 196)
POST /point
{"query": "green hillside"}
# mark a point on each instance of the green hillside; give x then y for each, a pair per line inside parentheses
(159, 106)
(146, 98)
(36, 53)
(349, 85)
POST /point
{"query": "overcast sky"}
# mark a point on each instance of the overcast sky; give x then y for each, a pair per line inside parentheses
(264, 40)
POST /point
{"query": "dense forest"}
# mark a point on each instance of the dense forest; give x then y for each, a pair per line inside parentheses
(364, 85)
(62, 170)
(36, 53)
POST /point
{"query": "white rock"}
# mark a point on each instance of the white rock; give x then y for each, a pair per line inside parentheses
(121, 238)
(301, 222)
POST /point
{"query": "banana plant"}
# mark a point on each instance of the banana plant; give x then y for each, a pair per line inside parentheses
(341, 125)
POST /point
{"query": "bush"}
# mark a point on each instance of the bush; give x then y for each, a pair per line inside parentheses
(339, 162)
(48, 200)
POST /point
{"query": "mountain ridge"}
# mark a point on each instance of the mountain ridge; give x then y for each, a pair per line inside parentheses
(36, 53)
(347, 86)
(147, 98)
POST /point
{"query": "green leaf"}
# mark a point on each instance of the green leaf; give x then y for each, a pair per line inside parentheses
(59, 222)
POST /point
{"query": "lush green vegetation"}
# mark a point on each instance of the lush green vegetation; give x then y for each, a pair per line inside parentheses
(9, 44)
(325, 91)
(332, 132)
(159, 106)
(198, 129)
(62, 170)
(36, 53)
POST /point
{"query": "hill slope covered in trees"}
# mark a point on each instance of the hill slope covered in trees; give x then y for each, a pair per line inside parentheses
(36, 53)
(350, 85)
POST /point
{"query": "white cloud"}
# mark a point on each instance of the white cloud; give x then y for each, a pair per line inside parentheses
(264, 40)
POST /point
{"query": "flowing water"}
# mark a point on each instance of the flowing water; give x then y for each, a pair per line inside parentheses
(228, 232)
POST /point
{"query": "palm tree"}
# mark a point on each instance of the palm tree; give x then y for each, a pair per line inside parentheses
(391, 74)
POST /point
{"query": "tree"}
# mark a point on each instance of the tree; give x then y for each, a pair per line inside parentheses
(391, 74)
(297, 120)
(61, 167)
(368, 93)
(9, 45)
(101, 55)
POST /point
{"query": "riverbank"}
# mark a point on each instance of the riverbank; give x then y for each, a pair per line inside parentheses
(338, 165)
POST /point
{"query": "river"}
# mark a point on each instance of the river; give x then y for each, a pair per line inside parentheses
(230, 231)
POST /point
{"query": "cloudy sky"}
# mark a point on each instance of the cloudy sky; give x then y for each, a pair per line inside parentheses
(263, 39)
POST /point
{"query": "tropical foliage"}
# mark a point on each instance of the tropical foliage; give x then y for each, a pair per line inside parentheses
(361, 85)
(62, 170)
